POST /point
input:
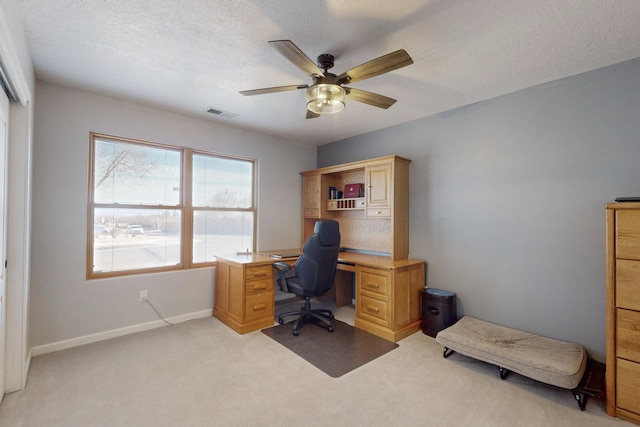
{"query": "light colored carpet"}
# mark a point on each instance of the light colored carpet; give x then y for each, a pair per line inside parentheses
(201, 373)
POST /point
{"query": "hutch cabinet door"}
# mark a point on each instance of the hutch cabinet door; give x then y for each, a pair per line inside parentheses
(378, 191)
(311, 196)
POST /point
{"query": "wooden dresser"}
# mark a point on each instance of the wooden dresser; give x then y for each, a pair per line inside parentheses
(623, 310)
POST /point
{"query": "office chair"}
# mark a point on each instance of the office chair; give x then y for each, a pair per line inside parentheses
(312, 275)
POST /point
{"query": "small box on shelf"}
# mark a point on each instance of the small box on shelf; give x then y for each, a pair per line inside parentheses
(352, 191)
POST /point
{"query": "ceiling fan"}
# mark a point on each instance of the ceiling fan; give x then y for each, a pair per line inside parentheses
(326, 94)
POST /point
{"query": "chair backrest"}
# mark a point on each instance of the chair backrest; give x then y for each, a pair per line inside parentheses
(316, 267)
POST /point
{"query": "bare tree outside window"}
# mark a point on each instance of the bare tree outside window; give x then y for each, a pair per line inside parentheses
(128, 160)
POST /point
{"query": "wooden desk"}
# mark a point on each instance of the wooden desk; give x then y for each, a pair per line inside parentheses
(388, 293)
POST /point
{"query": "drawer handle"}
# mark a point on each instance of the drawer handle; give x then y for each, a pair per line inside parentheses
(374, 309)
(259, 307)
(373, 285)
(259, 287)
(378, 212)
(259, 273)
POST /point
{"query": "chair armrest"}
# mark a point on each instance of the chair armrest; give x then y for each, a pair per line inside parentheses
(282, 272)
(282, 266)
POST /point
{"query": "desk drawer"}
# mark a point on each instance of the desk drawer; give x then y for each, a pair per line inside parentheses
(376, 281)
(258, 306)
(311, 212)
(379, 212)
(259, 272)
(258, 286)
(373, 310)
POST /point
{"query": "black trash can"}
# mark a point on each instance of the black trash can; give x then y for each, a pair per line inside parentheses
(438, 310)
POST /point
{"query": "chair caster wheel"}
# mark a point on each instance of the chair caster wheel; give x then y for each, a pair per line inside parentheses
(331, 316)
(296, 332)
(330, 328)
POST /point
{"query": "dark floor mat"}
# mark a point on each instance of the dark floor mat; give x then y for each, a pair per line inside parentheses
(335, 353)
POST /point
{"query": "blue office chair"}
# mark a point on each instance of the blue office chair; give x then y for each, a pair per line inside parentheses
(312, 275)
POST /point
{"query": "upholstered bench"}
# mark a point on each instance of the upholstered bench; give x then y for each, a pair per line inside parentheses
(547, 360)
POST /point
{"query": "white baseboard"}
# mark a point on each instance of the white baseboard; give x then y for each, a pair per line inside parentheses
(101, 336)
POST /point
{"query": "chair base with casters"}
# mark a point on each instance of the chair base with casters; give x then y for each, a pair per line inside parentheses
(312, 274)
(308, 315)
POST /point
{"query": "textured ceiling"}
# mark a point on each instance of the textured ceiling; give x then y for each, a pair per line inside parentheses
(190, 55)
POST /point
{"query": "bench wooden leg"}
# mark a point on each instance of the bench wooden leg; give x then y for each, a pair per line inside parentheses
(447, 352)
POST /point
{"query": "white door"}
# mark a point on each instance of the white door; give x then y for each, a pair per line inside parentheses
(4, 136)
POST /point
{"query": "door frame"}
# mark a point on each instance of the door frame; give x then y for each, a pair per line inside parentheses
(18, 197)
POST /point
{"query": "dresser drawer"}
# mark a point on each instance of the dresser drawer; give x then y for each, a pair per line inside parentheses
(628, 334)
(628, 386)
(259, 272)
(258, 306)
(374, 280)
(257, 286)
(373, 309)
(628, 234)
(628, 284)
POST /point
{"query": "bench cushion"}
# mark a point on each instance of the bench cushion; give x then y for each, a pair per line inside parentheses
(548, 360)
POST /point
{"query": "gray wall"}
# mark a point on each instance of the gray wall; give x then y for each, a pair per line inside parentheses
(507, 198)
(64, 305)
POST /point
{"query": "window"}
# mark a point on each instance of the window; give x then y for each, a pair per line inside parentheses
(223, 214)
(156, 208)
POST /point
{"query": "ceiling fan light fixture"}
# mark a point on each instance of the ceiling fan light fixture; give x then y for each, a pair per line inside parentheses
(325, 98)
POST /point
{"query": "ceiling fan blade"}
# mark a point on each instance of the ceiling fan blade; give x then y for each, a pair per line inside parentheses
(312, 115)
(272, 89)
(370, 98)
(375, 67)
(290, 51)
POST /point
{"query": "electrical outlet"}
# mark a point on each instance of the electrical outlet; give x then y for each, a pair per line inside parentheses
(143, 296)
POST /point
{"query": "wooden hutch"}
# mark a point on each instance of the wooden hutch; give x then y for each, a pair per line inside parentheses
(388, 288)
(379, 220)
